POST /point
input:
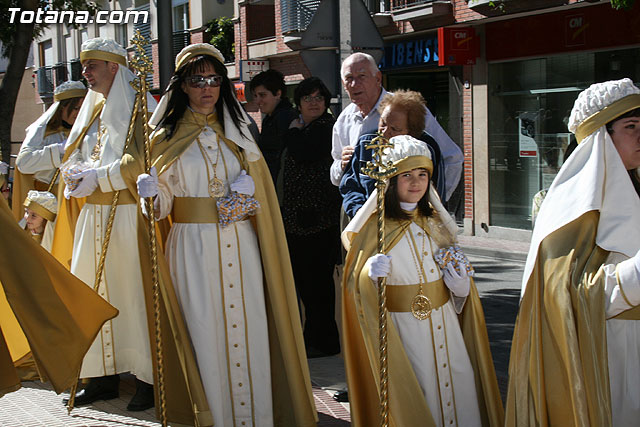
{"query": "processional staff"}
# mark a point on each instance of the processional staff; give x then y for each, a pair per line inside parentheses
(141, 64)
(380, 171)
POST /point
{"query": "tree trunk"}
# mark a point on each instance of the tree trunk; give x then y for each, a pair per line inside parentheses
(12, 80)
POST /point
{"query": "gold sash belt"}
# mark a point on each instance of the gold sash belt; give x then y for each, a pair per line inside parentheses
(400, 297)
(195, 210)
(100, 198)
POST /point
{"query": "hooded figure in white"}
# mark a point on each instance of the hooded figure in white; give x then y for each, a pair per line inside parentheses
(577, 330)
(42, 150)
(95, 148)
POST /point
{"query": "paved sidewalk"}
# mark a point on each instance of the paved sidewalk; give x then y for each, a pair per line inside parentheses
(494, 248)
(37, 405)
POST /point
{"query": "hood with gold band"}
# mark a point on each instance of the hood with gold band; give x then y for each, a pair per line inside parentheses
(408, 153)
(248, 145)
(42, 203)
(558, 369)
(593, 177)
(407, 404)
(37, 131)
(293, 399)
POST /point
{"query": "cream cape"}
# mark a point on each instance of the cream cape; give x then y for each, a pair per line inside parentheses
(57, 313)
(293, 403)
(407, 405)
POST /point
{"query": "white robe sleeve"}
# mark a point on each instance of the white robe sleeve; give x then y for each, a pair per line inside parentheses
(622, 286)
(336, 152)
(168, 186)
(35, 156)
(110, 178)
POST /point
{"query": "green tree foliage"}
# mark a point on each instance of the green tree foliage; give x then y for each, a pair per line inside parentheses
(223, 36)
(16, 40)
(622, 4)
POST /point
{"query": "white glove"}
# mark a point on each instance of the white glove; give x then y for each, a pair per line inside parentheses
(4, 168)
(61, 147)
(459, 284)
(87, 185)
(379, 266)
(148, 183)
(244, 184)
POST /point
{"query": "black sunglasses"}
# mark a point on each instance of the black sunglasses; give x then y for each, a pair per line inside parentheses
(200, 82)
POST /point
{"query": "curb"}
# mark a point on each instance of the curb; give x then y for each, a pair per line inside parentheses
(494, 253)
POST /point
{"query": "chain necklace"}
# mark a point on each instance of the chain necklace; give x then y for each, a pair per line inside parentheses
(421, 305)
(216, 185)
(95, 152)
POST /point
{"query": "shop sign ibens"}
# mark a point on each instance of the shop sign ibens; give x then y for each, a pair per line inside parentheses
(410, 53)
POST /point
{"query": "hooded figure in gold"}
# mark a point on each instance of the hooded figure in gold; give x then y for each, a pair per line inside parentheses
(574, 356)
(228, 261)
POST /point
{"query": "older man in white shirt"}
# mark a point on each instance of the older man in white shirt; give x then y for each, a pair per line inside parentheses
(363, 82)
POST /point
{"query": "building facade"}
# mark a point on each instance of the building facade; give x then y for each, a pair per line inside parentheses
(500, 76)
(505, 100)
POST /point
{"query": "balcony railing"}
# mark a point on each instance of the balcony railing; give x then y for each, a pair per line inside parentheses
(51, 76)
(181, 39)
(45, 81)
(403, 4)
(296, 15)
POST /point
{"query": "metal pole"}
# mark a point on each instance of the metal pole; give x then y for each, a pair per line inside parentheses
(345, 49)
(165, 42)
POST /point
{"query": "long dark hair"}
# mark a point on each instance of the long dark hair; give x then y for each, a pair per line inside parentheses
(65, 105)
(179, 100)
(392, 207)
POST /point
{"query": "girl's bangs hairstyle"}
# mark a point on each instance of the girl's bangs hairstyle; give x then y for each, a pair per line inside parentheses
(392, 209)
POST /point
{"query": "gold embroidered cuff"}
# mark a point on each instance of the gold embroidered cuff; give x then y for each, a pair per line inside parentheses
(624, 296)
(109, 179)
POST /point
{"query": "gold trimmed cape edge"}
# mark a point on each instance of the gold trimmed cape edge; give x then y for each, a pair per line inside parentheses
(58, 313)
(407, 405)
(558, 371)
(293, 402)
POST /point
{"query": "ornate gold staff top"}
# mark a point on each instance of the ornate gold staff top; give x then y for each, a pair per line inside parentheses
(141, 63)
(379, 171)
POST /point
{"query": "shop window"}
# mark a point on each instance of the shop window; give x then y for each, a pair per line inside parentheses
(529, 106)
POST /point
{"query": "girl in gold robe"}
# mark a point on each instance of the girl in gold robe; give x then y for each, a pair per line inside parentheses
(440, 367)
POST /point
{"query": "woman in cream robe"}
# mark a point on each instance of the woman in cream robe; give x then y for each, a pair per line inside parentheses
(217, 271)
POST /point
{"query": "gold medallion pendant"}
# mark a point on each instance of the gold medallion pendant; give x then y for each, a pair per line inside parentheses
(421, 307)
(216, 187)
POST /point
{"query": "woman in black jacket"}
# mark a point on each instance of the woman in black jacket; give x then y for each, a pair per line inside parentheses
(311, 210)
